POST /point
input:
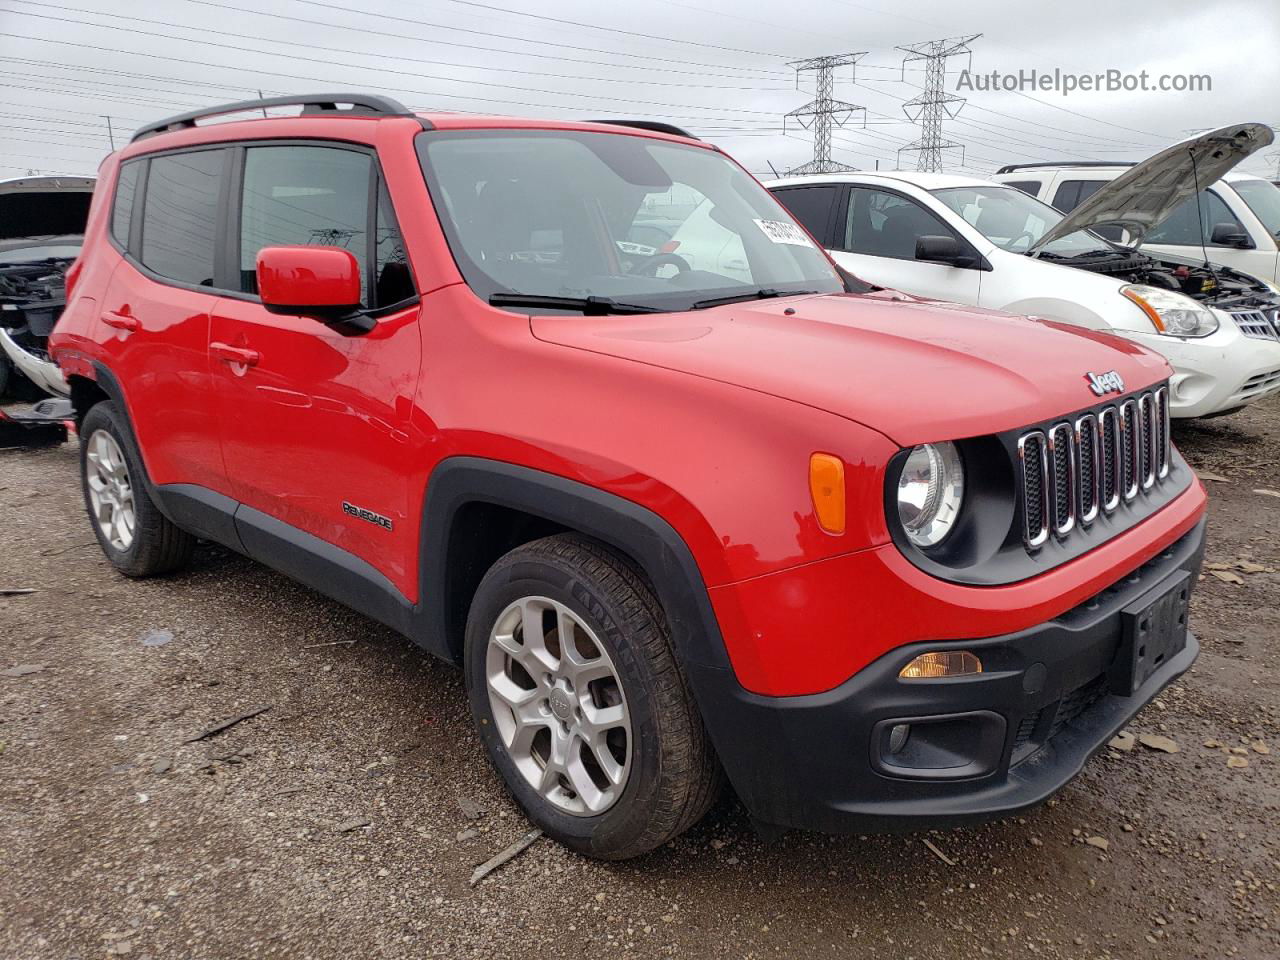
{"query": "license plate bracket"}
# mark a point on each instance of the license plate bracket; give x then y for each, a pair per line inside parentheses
(1153, 631)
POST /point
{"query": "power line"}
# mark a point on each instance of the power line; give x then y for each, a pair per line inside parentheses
(823, 111)
(593, 26)
(452, 96)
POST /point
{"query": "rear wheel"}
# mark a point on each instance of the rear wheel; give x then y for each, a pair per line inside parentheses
(137, 539)
(580, 702)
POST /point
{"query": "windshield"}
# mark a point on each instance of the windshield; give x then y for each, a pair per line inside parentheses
(550, 213)
(1263, 198)
(1015, 221)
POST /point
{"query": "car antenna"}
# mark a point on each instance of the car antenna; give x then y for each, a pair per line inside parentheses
(774, 169)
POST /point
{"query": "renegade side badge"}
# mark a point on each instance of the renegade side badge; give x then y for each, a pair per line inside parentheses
(367, 515)
(1103, 383)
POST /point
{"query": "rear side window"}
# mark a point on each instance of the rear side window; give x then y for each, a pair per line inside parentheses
(1026, 186)
(300, 195)
(126, 194)
(812, 206)
(1072, 193)
(179, 216)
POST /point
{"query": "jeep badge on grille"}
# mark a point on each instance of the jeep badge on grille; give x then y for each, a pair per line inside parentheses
(1103, 383)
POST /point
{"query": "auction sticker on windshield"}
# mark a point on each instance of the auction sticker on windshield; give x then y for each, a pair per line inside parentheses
(779, 231)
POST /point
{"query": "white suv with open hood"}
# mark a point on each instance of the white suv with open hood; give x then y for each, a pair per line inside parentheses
(1237, 223)
(987, 244)
(42, 223)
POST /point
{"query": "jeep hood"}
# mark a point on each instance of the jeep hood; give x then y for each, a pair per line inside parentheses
(915, 370)
(1143, 196)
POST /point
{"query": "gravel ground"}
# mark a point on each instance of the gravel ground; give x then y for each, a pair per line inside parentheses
(346, 819)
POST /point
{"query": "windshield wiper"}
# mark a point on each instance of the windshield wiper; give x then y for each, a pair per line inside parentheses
(590, 306)
(764, 293)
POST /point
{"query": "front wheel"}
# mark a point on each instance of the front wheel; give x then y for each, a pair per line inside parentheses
(580, 702)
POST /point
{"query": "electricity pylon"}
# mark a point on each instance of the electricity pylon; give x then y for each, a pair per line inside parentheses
(823, 112)
(933, 103)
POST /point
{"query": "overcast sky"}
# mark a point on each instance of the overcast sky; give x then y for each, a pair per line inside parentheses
(716, 67)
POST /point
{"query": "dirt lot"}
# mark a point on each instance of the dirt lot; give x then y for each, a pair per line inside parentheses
(345, 821)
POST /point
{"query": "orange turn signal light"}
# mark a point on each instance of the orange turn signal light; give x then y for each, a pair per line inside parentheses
(826, 486)
(1145, 308)
(942, 663)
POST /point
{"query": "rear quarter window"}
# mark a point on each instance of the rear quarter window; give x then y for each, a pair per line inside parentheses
(1026, 186)
(126, 195)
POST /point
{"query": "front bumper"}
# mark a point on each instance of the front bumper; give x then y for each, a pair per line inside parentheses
(43, 373)
(1219, 373)
(1041, 709)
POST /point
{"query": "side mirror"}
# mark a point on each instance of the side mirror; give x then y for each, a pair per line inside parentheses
(940, 249)
(1230, 235)
(318, 282)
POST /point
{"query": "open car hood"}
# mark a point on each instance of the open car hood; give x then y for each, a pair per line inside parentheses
(1143, 196)
(44, 206)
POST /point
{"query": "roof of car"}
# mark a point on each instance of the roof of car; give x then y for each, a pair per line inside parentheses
(925, 181)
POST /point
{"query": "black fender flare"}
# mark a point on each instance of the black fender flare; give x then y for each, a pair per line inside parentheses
(639, 533)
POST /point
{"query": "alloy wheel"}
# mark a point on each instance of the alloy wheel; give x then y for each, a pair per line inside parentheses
(110, 490)
(558, 706)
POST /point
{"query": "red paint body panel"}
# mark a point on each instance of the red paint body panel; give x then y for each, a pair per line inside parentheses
(708, 419)
(810, 628)
(308, 277)
(894, 362)
(321, 419)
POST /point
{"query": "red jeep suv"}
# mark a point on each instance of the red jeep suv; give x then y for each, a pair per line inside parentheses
(581, 408)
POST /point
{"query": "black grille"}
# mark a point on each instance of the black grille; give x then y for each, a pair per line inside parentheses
(1063, 508)
(1077, 702)
(1033, 486)
(1162, 431)
(1147, 439)
(1025, 729)
(1074, 473)
(1110, 486)
(1128, 425)
(1087, 450)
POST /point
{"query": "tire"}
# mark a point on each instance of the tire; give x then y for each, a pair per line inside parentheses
(111, 470)
(669, 773)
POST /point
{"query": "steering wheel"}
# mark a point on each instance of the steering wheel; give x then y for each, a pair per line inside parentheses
(1031, 238)
(648, 267)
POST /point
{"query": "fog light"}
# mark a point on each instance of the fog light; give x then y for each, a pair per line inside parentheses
(941, 663)
(898, 737)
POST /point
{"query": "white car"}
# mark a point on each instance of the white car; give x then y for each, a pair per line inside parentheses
(1238, 223)
(42, 222)
(976, 242)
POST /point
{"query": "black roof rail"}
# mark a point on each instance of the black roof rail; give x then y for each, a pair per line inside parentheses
(654, 125)
(1011, 167)
(361, 103)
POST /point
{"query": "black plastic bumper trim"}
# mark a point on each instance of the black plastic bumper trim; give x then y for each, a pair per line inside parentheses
(805, 762)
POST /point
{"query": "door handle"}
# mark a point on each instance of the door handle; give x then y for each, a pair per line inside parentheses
(120, 321)
(230, 354)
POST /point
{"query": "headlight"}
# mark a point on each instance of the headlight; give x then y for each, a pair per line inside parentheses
(1172, 313)
(930, 491)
